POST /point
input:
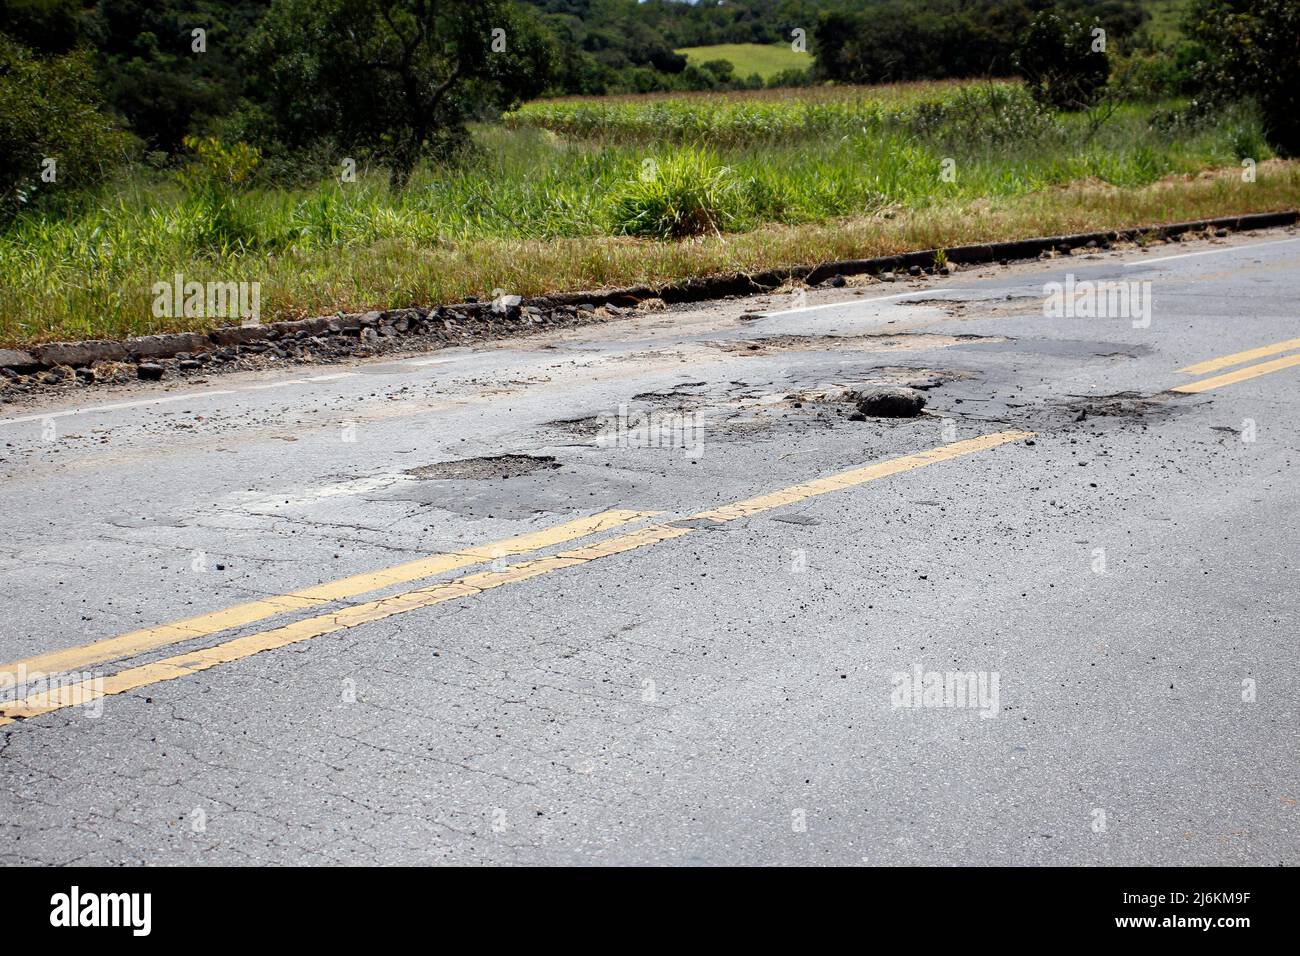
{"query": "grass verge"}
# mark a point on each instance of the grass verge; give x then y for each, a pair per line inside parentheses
(807, 178)
(397, 272)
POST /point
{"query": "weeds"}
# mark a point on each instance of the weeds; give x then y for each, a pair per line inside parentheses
(684, 193)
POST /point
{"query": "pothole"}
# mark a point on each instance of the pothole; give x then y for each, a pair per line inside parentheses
(923, 379)
(888, 392)
(674, 395)
(587, 427)
(1118, 405)
(495, 466)
(888, 401)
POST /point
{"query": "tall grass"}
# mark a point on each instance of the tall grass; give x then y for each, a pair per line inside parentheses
(688, 193)
(540, 190)
(741, 116)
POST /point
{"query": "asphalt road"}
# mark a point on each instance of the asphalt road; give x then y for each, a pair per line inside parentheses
(717, 667)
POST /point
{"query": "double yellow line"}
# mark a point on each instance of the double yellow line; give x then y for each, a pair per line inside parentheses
(181, 665)
(134, 643)
(1241, 374)
(137, 642)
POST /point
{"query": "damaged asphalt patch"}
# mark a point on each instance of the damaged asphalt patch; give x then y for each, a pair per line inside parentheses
(737, 408)
(588, 426)
(871, 342)
(475, 469)
(1118, 405)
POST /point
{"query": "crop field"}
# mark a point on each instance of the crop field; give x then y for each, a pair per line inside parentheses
(577, 193)
(742, 117)
(765, 59)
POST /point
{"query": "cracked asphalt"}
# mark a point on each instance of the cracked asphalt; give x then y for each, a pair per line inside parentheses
(1128, 574)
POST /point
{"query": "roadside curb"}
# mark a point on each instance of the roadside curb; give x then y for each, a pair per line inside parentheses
(714, 287)
(282, 339)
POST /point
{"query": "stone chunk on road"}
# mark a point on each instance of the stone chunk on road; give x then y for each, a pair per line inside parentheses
(891, 402)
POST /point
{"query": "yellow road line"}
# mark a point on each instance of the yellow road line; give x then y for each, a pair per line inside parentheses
(1237, 358)
(182, 665)
(857, 476)
(1250, 371)
(136, 642)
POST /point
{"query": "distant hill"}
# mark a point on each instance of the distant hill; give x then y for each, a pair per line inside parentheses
(762, 58)
(615, 46)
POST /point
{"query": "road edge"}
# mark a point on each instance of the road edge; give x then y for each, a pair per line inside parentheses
(537, 313)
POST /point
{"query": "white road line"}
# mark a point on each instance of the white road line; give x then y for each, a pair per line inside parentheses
(271, 502)
(848, 302)
(266, 385)
(188, 396)
(191, 396)
(1210, 252)
(112, 408)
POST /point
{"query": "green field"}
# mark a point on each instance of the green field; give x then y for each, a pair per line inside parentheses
(749, 58)
(744, 116)
(586, 193)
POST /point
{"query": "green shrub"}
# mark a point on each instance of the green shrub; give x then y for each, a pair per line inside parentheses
(685, 193)
(790, 77)
(50, 109)
(1253, 52)
(1247, 142)
(1061, 63)
(212, 182)
(983, 116)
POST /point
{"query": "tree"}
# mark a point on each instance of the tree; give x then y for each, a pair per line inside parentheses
(163, 77)
(42, 26)
(396, 79)
(898, 40)
(55, 137)
(1064, 61)
(1253, 50)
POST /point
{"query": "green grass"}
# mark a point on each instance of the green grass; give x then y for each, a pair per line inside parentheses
(743, 117)
(577, 194)
(683, 193)
(766, 60)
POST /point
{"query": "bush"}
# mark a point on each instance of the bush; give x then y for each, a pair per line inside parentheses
(51, 110)
(1061, 62)
(683, 194)
(790, 77)
(212, 182)
(1253, 52)
(218, 169)
(984, 116)
(1246, 142)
